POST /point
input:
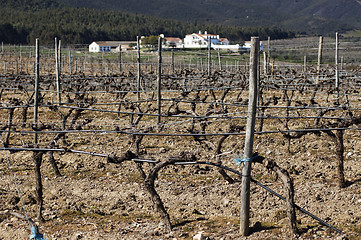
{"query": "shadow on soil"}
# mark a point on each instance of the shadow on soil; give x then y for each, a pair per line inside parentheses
(257, 227)
(349, 183)
(183, 223)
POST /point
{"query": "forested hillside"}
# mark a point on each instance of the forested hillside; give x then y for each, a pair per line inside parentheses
(22, 24)
(21, 21)
(309, 16)
(31, 5)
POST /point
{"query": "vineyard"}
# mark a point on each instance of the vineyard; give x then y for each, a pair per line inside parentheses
(144, 145)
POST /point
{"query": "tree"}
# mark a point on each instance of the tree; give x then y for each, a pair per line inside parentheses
(149, 41)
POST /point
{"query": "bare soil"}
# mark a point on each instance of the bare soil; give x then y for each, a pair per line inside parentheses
(95, 199)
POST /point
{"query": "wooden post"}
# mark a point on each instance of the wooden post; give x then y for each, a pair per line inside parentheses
(21, 60)
(84, 64)
(36, 95)
(304, 63)
(59, 56)
(120, 58)
(70, 70)
(57, 71)
(138, 64)
(100, 63)
(336, 62)
(159, 80)
(264, 63)
(248, 148)
(268, 52)
(259, 65)
(209, 56)
(341, 67)
(219, 60)
(172, 63)
(319, 59)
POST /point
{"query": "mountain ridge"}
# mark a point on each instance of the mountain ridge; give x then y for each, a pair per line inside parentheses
(324, 16)
(80, 21)
(23, 23)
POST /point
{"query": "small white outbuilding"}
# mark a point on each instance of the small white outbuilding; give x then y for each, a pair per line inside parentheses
(110, 46)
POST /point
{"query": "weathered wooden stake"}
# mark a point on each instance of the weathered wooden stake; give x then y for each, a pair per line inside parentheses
(319, 59)
(36, 95)
(70, 70)
(59, 56)
(264, 63)
(84, 64)
(172, 63)
(304, 63)
(341, 67)
(159, 80)
(268, 52)
(248, 148)
(57, 71)
(209, 56)
(21, 60)
(120, 58)
(138, 64)
(219, 60)
(336, 63)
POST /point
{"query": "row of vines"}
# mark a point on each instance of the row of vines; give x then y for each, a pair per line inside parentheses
(106, 124)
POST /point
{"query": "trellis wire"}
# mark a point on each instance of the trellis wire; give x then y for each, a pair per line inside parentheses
(176, 134)
(176, 163)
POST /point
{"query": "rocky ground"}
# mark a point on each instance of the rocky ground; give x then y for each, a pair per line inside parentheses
(94, 199)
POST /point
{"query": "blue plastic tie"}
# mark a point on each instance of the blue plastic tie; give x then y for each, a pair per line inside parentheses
(35, 234)
(239, 161)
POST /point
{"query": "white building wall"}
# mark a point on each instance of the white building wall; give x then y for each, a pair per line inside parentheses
(227, 47)
(248, 45)
(93, 47)
(196, 41)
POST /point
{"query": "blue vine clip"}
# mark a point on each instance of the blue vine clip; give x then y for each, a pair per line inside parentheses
(35, 234)
(239, 161)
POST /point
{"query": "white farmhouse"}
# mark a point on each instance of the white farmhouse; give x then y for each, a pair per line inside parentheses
(199, 40)
(110, 46)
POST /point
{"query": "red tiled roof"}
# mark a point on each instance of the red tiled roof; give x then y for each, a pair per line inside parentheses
(205, 35)
(173, 39)
(113, 43)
